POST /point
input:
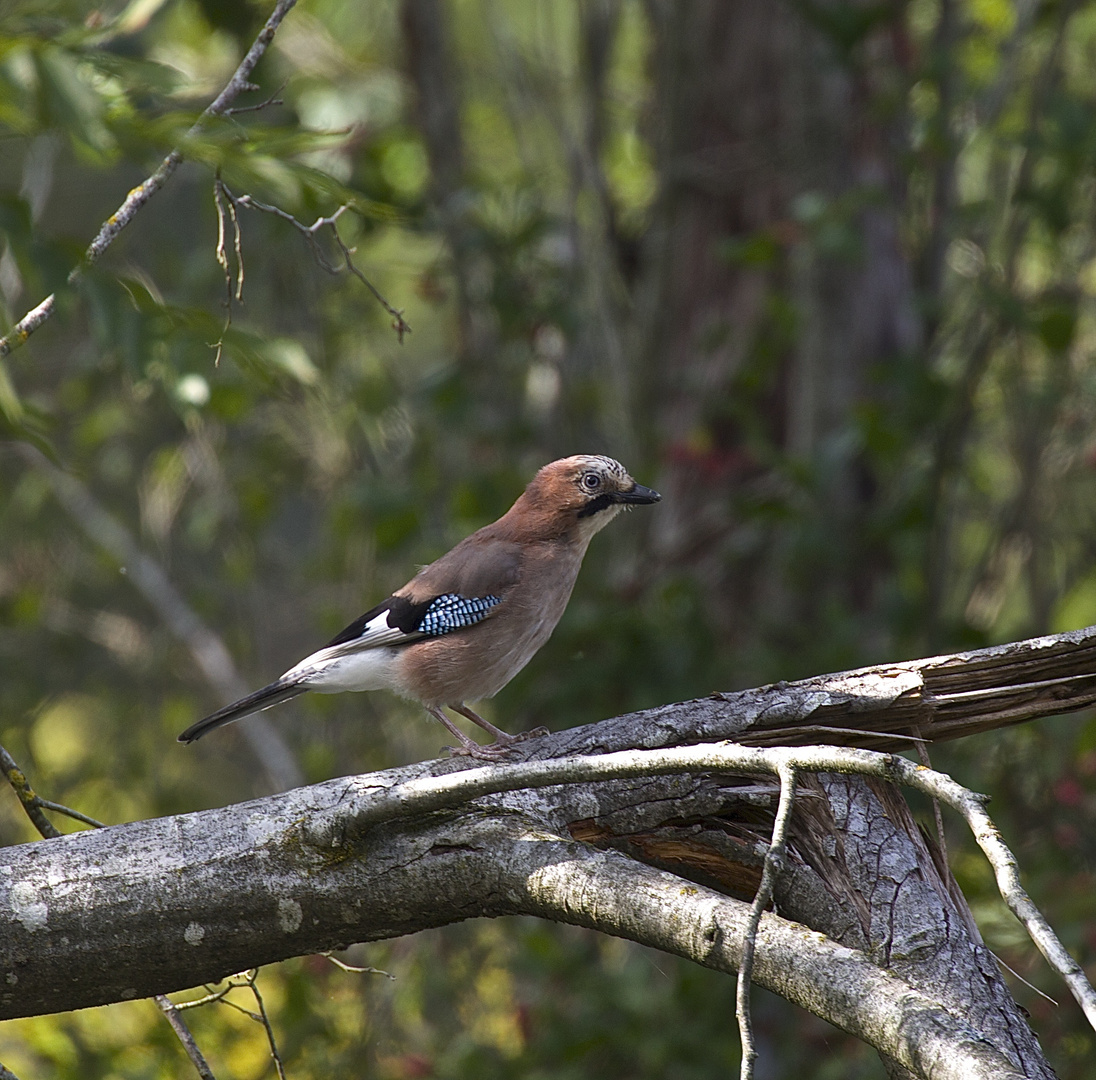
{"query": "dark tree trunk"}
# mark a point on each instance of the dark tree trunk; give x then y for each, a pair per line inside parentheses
(437, 105)
(774, 283)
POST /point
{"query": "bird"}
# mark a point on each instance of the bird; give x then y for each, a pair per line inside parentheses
(466, 624)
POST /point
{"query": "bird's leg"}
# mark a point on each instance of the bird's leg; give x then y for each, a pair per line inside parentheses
(503, 738)
(469, 747)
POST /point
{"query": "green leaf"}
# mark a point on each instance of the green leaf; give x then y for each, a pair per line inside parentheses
(10, 405)
(72, 104)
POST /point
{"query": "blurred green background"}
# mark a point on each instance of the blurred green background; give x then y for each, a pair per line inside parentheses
(822, 272)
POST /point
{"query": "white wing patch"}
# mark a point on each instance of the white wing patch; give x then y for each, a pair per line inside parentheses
(375, 635)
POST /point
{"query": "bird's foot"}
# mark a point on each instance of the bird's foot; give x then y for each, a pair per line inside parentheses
(496, 751)
(499, 749)
(503, 738)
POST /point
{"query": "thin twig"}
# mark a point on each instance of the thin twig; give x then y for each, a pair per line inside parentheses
(221, 200)
(241, 1008)
(829, 729)
(33, 805)
(57, 808)
(254, 108)
(213, 995)
(309, 232)
(774, 864)
(1016, 975)
(272, 100)
(941, 839)
(265, 1021)
(357, 970)
(144, 191)
(171, 1014)
(399, 325)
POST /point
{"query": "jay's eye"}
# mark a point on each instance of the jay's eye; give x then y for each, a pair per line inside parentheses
(591, 481)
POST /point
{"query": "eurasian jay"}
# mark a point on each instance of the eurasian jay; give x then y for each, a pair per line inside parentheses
(465, 625)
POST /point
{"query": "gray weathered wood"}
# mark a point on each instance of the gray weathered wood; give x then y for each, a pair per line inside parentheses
(156, 906)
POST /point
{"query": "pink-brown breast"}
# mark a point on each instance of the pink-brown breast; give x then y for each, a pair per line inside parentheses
(476, 663)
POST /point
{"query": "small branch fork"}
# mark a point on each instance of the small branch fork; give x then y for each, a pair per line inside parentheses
(108, 232)
(248, 979)
(372, 806)
(34, 804)
(227, 206)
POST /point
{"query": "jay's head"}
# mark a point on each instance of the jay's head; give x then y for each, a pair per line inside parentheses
(584, 493)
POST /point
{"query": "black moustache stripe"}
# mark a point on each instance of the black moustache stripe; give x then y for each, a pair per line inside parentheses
(595, 506)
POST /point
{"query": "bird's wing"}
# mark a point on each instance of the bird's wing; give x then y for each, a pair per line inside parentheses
(401, 620)
(483, 564)
(460, 589)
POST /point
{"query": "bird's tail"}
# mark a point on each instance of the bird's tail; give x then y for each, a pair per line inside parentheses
(273, 694)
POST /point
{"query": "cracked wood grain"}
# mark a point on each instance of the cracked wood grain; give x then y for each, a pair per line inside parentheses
(879, 708)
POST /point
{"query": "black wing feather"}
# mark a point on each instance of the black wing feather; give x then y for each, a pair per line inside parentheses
(403, 614)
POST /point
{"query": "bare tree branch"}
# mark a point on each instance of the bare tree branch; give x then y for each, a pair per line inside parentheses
(253, 866)
(154, 906)
(353, 969)
(31, 804)
(184, 1035)
(263, 1019)
(372, 804)
(148, 577)
(618, 896)
(932, 700)
(144, 191)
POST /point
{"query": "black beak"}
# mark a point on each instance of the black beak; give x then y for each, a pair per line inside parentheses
(639, 495)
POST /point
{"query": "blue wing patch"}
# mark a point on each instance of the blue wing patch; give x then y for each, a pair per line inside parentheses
(450, 611)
